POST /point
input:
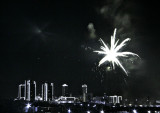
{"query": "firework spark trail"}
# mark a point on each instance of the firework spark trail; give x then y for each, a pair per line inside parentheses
(112, 53)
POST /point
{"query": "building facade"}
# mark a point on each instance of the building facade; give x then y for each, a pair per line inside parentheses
(47, 91)
(27, 91)
(30, 90)
(65, 90)
(84, 93)
(21, 91)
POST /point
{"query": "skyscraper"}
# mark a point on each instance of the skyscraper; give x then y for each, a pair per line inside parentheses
(51, 92)
(27, 91)
(30, 90)
(65, 90)
(21, 91)
(47, 91)
(84, 92)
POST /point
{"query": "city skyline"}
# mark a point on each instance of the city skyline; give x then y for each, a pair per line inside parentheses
(28, 92)
(84, 102)
(47, 91)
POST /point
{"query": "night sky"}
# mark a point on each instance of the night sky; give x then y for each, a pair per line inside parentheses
(54, 41)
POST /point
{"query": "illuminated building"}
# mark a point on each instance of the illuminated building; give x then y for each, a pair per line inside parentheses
(47, 91)
(30, 90)
(64, 99)
(64, 90)
(84, 91)
(21, 91)
(115, 99)
(27, 91)
(51, 91)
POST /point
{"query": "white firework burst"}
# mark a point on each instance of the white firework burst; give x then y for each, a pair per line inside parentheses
(113, 52)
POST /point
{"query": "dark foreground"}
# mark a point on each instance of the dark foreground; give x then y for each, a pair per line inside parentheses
(10, 106)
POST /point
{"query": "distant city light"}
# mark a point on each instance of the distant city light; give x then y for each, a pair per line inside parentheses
(101, 111)
(64, 85)
(69, 111)
(94, 105)
(28, 105)
(134, 111)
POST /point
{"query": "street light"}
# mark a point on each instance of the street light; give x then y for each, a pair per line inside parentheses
(28, 105)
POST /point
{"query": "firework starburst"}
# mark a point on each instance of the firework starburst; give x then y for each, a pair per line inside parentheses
(113, 52)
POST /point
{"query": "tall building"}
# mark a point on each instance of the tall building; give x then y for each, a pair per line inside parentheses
(84, 92)
(65, 90)
(47, 91)
(51, 92)
(27, 91)
(30, 90)
(21, 91)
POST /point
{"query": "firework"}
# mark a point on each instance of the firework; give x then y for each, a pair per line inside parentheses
(112, 53)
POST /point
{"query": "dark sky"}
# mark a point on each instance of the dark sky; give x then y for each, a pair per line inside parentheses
(49, 41)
